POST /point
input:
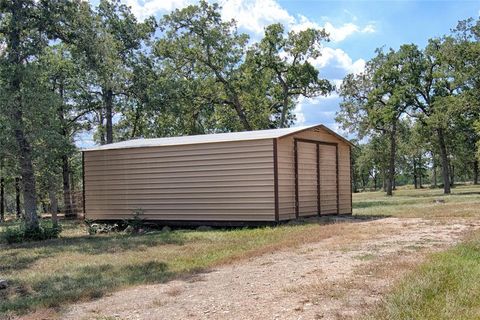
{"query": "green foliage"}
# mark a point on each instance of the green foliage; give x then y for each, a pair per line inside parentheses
(287, 59)
(426, 101)
(19, 234)
(137, 223)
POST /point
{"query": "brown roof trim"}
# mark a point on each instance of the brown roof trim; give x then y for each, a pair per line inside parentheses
(321, 126)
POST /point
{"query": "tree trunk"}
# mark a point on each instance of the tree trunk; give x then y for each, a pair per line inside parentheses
(53, 205)
(452, 175)
(284, 109)
(108, 100)
(14, 54)
(101, 127)
(28, 177)
(434, 165)
(384, 180)
(475, 172)
(136, 128)
(65, 166)
(241, 114)
(72, 195)
(66, 187)
(415, 174)
(420, 173)
(420, 180)
(44, 206)
(2, 198)
(354, 178)
(234, 100)
(391, 162)
(444, 159)
(17, 198)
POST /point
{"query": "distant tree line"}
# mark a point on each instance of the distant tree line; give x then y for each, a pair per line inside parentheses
(67, 67)
(417, 113)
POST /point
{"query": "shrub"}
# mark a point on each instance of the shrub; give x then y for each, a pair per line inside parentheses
(91, 226)
(45, 231)
(14, 234)
(136, 224)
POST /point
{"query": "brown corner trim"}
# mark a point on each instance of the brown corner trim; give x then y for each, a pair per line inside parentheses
(275, 179)
(351, 181)
(318, 181)
(338, 185)
(297, 208)
(83, 184)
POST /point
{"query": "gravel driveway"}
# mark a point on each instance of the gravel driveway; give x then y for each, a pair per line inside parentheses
(340, 277)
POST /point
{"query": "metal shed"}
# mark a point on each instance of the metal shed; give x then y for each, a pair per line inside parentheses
(226, 178)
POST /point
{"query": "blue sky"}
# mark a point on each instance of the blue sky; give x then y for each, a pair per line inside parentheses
(357, 28)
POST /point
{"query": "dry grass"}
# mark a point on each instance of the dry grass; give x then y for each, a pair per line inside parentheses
(174, 291)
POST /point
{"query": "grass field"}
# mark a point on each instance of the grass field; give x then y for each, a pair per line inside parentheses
(446, 286)
(463, 202)
(81, 267)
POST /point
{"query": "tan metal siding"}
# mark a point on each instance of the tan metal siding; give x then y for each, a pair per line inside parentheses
(225, 181)
(307, 179)
(286, 171)
(328, 179)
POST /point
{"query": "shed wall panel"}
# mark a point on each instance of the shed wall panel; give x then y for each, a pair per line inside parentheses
(307, 179)
(286, 171)
(328, 179)
(225, 181)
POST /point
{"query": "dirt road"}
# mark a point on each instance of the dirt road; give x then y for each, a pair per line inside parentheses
(337, 278)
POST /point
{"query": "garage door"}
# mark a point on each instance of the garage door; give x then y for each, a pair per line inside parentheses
(316, 173)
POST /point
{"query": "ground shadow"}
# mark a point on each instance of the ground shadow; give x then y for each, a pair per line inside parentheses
(88, 282)
(346, 218)
(101, 244)
(371, 204)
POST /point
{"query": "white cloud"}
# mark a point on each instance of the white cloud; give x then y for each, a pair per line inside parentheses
(310, 111)
(145, 8)
(369, 28)
(299, 115)
(340, 33)
(251, 15)
(255, 15)
(337, 34)
(340, 59)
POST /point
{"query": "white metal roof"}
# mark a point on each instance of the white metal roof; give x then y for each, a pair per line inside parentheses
(208, 138)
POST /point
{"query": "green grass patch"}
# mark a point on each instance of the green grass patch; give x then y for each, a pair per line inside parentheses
(421, 203)
(447, 286)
